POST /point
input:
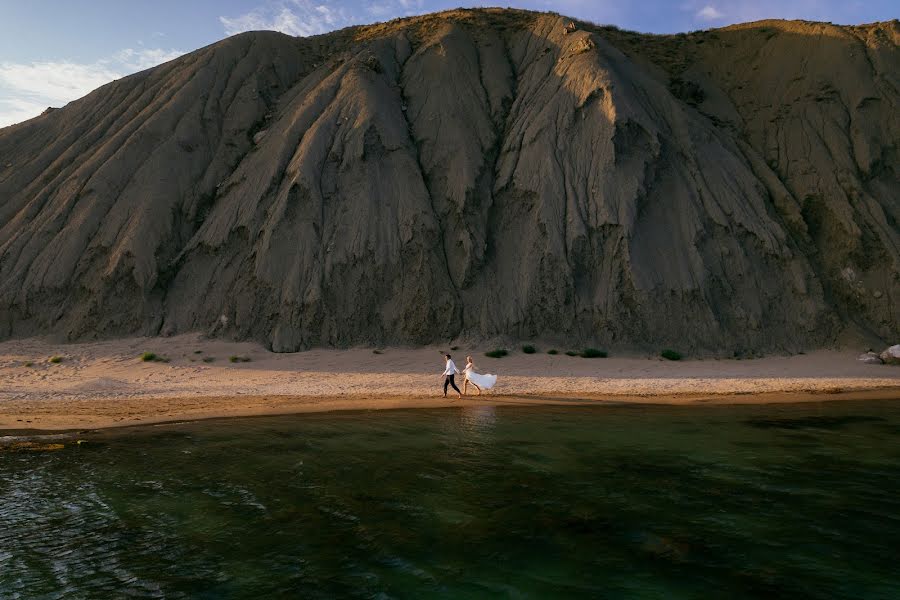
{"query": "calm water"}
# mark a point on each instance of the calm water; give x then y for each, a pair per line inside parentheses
(793, 502)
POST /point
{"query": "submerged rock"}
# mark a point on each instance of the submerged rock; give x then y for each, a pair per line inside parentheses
(29, 446)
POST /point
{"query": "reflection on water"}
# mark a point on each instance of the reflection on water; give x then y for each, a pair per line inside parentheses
(478, 420)
(791, 501)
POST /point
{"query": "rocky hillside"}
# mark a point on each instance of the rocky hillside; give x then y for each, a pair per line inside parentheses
(473, 174)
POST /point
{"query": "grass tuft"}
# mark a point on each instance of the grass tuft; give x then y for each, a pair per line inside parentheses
(454, 348)
(377, 352)
(572, 353)
(55, 359)
(670, 354)
(593, 353)
(239, 359)
(529, 349)
(153, 357)
(28, 363)
(209, 359)
(553, 352)
(498, 353)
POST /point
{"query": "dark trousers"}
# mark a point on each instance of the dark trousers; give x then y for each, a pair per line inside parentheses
(448, 381)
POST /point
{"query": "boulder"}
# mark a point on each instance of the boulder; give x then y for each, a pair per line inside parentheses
(891, 356)
(870, 358)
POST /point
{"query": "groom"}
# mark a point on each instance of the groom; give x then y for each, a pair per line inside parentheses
(449, 374)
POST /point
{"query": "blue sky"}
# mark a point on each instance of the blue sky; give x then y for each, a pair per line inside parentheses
(54, 51)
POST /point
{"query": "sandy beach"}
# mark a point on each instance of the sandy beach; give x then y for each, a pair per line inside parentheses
(106, 384)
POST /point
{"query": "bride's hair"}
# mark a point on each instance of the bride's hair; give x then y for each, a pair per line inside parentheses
(469, 359)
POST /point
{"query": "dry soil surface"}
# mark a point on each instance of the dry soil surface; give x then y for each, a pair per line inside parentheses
(106, 384)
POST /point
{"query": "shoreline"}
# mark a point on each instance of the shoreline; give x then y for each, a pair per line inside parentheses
(106, 384)
(116, 413)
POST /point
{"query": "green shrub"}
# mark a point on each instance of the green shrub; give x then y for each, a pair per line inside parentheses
(198, 351)
(454, 348)
(670, 354)
(377, 352)
(153, 357)
(55, 359)
(552, 351)
(498, 353)
(237, 359)
(28, 363)
(529, 349)
(572, 353)
(209, 359)
(593, 353)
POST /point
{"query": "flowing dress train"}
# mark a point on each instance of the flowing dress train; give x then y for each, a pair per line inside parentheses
(485, 381)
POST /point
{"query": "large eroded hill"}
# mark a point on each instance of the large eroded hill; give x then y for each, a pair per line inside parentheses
(474, 173)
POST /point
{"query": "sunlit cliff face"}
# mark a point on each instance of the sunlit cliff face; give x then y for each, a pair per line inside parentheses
(474, 173)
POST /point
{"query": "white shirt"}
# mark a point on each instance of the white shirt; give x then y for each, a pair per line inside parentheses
(451, 368)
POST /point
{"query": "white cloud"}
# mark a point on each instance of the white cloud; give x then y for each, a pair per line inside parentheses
(380, 10)
(709, 13)
(27, 89)
(16, 110)
(391, 9)
(312, 17)
(299, 17)
(138, 60)
(55, 81)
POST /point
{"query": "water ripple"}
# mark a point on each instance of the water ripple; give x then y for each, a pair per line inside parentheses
(449, 504)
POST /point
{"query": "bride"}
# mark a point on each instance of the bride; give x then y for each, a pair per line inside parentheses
(479, 381)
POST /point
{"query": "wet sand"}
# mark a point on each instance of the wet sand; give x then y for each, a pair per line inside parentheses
(106, 384)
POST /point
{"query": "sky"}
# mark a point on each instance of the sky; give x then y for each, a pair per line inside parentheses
(55, 51)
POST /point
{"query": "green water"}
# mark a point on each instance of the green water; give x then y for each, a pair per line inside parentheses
(736, 502)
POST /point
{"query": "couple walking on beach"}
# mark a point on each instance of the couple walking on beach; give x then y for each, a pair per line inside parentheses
(470, 376)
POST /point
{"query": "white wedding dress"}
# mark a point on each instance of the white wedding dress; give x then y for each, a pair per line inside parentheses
(485, 381)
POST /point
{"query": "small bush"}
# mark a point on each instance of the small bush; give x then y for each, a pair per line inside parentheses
(572, 353)
(454, 348)
(198, 351)
(529, 349)
(28, 363)
(209, 359)
(593, 353)
(670, 355)
(237, 359)
(149, 357)
(554, 352)
(55, 359)
(377, 352)
(498, 353)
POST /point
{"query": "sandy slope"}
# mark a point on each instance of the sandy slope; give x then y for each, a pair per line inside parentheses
(105, 383)
(471, 174)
